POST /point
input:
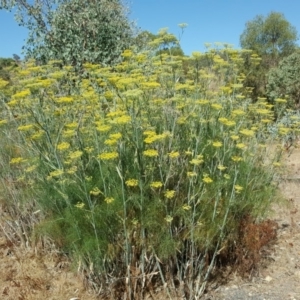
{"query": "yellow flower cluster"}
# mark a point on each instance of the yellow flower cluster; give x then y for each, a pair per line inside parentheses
(132, 182)
(153, 137)
(80, 205)
(109, 200)
(151, 153)
(217, 144)
(95, 191)
(108, 155)
(26, 127)
(65, 100)
(156, 184)
(56, 173)
(238, 188)
(22, 94)
(247, 132)
(207, 179)
(174, 154)
(197, 161)
(63, 146)
(17, 160)
(169, 194)
(75, 154)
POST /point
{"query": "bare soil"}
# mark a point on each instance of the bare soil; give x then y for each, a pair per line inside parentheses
(29, 274)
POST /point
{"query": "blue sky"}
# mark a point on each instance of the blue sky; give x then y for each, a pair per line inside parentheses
(208, 20)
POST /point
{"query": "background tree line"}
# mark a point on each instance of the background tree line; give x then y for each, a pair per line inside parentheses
(76, 32)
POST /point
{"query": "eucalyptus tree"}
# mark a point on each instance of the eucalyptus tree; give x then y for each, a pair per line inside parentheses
(74, 31)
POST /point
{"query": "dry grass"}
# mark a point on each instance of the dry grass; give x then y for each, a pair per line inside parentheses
(29, 274)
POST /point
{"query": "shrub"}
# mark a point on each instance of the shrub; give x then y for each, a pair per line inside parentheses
(283, 81)
(141, 176)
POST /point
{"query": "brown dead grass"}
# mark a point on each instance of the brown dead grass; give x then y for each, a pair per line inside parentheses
(26, 274)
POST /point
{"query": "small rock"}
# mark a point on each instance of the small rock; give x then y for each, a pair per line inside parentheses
(297, 274)
(285, 224)
(268, 279)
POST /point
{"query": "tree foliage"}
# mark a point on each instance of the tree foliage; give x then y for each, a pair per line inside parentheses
(6, 65)
(284, 80)
(271, 36)
(163, 42)
(74, 31)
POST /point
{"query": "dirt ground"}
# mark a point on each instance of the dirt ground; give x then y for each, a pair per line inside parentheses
(28, 274)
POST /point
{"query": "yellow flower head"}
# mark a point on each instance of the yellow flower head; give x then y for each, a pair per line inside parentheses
(63, 146)
(80, 205)
(149, 133)
(72, 125)
(25, 127)
(95, 191)
(238, 112)
(196, 161)
(223, 120)
(191, 174)
(236, 158)
(115, 136)
(234, 137)
(217, 144)
(132, 182)
(109, 200)
(121, 120)
(168, 218)
(111, 142)
(68, 133)
(229, 123)
(247, 132)
(238, 188)
(75, 154)
(56, 173)
(103, 128)
(108, 155)
(3, 83)
(202, 102)
(21, 94)
(174, 154)
(216, 106)
(72, 170)
(65, 100)
(17, 160)
(188, 152)
(207, 179)
(169, 194)
(240, 145)
(186, 207)
(151, 153)
(156, 184)
(30, 169)
(221, 167)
